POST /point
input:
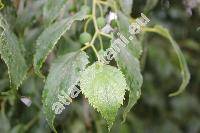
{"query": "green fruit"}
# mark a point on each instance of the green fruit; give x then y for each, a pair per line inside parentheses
(85, 37)
(72, 8)
(113, 23)
(87, 8)
(101, 22)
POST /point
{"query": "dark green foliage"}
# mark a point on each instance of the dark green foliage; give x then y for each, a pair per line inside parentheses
(50, 46)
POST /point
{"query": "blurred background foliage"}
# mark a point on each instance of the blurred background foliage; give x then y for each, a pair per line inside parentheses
(155, 112)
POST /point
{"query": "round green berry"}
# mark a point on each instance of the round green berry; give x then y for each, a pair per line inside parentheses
(87, 8)
(113, 23)
(85, 37)
(101, 22)
(72, 8)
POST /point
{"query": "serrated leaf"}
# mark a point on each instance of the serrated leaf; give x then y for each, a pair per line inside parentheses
(124, 30)
(104, 86)
(128, 62)
(64, 73)
(50, 36)
(183, 65)
(11, 54)
(130, 66)
(52, 9)
(126, 6)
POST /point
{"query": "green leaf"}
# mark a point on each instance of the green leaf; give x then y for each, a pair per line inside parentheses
(50, 36)
(183, 65)
(52, 9)
(150, 4)
(64, 73)
(11, 54)
(126, 6)
(134, 44)
(104, 86)
(130, 66)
